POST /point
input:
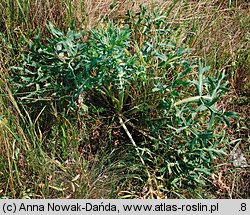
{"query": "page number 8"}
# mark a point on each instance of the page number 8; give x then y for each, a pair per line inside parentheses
(243, 207)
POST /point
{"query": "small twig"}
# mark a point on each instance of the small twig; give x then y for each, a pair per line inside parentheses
(35, 99)
(141, 131)
(130, 138)
(134, 144)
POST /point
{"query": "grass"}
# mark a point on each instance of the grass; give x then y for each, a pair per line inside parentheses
(54, 157)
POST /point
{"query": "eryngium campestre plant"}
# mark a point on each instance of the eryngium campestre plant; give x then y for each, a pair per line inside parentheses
(150, 86)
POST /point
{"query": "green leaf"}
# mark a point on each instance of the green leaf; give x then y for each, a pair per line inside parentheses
(206, 135)
(53, 30)
(161, 56)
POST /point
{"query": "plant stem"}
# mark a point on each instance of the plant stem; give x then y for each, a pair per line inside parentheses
(130, 138)
(192, 99)
(136, 148)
